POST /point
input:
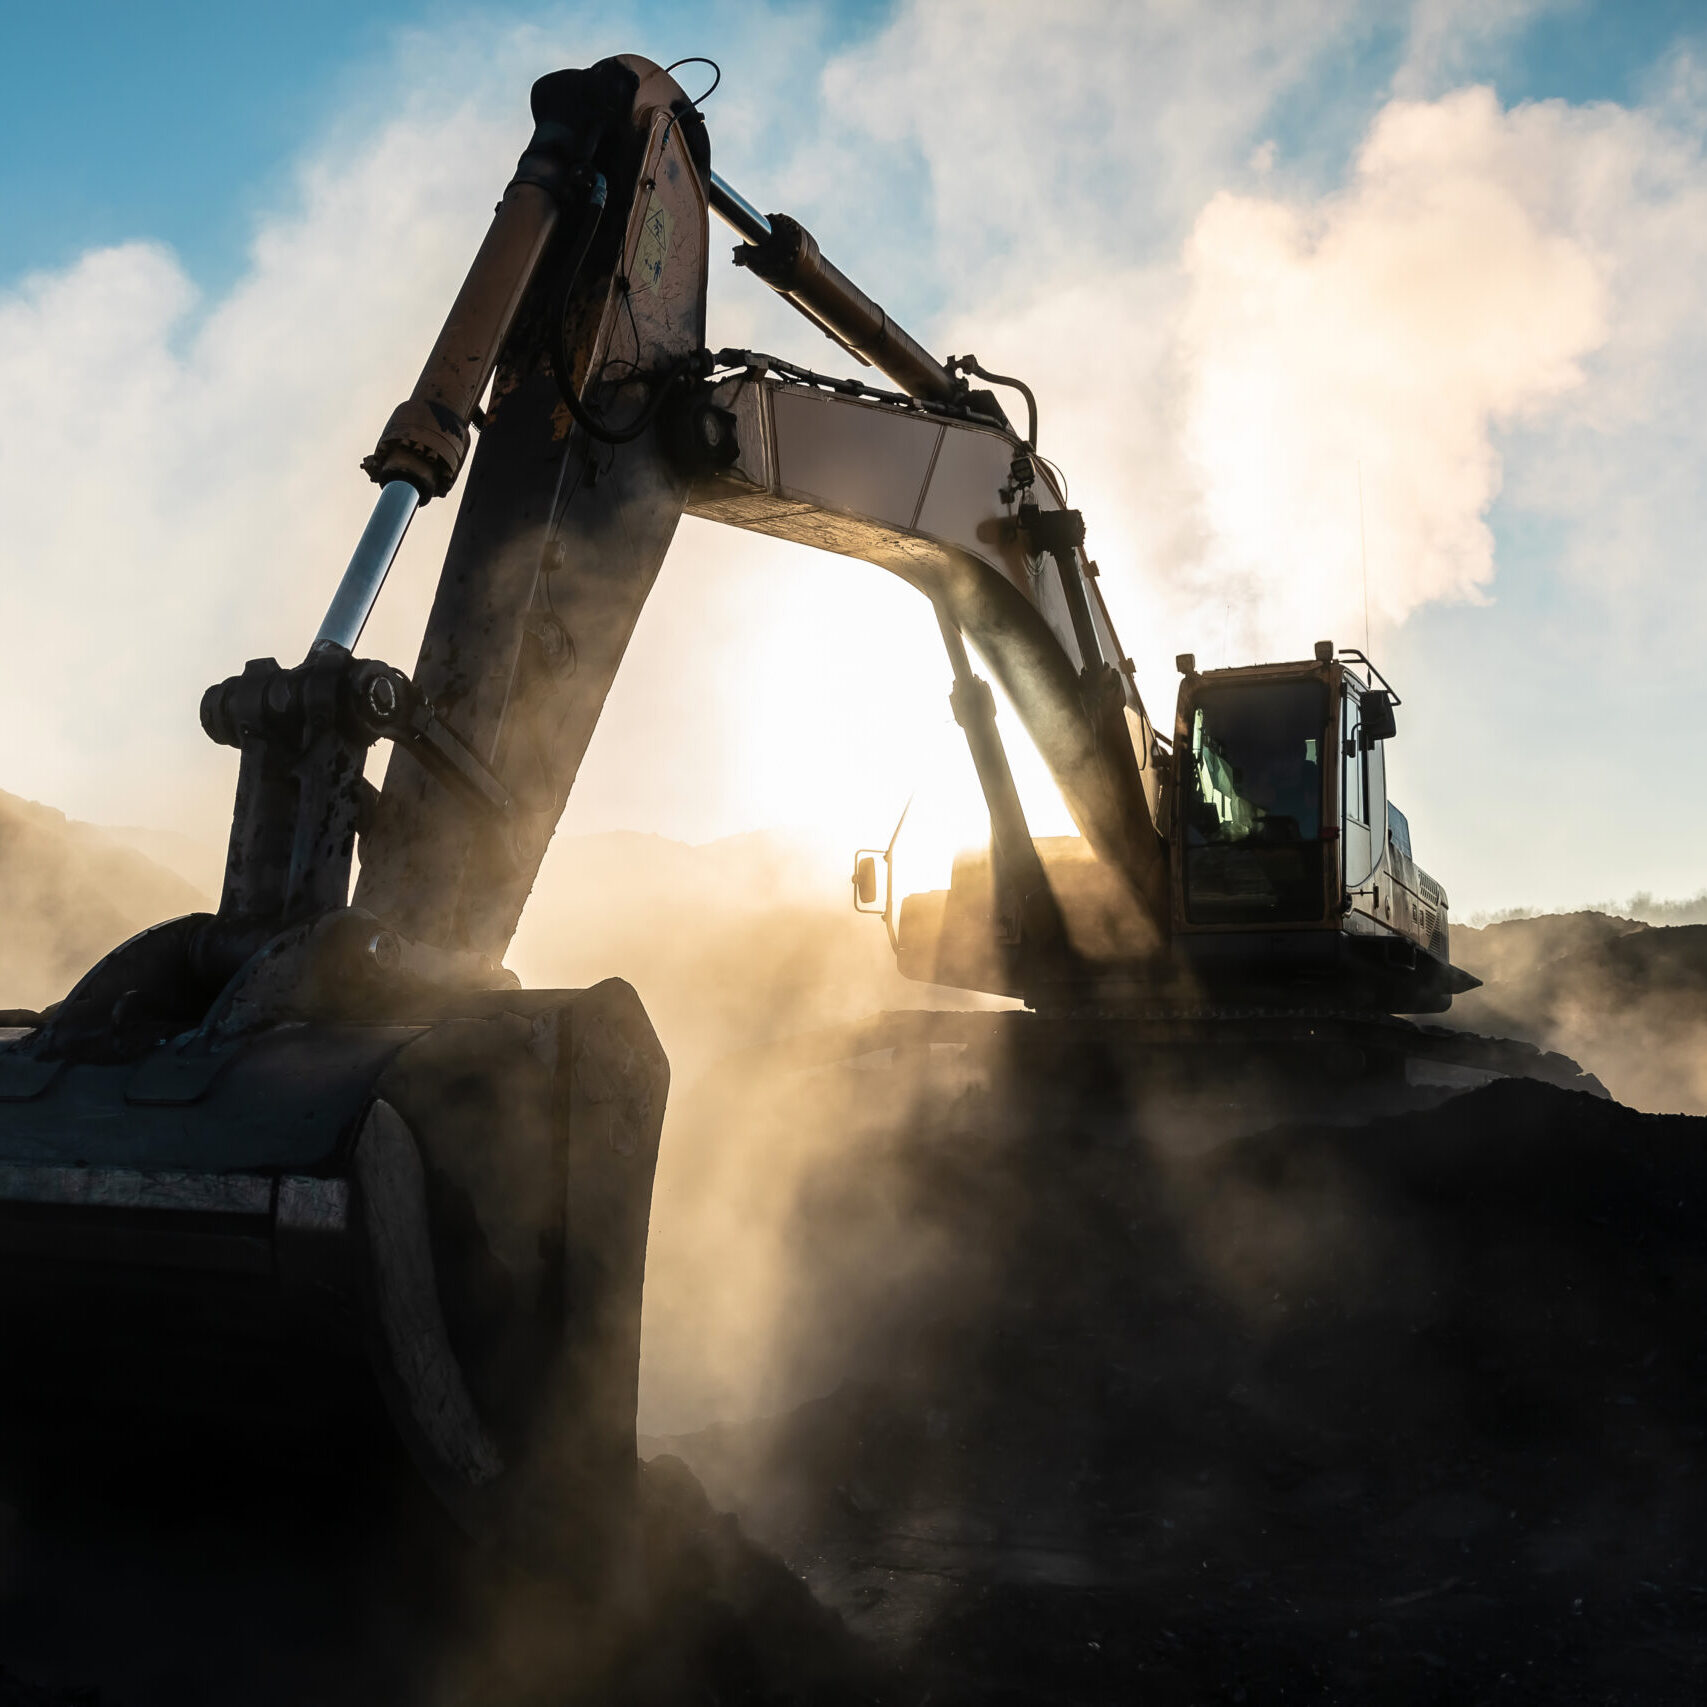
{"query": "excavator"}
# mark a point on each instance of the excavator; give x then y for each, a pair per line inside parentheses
(322, 1136)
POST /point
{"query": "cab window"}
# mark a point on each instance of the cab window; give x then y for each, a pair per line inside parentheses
(1256, 767)
(1251, 798)
(1354, 785)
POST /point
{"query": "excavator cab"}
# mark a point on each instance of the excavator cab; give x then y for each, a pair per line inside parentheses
(1290, 878)
(1289, 865)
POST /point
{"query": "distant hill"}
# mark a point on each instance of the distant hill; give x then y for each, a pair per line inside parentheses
(730, 943)
(754, 938)
(1626, 999)
(199, 860)
(68, 893)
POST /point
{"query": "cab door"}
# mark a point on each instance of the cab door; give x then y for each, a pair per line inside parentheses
(1375, 803)
(1357, 851)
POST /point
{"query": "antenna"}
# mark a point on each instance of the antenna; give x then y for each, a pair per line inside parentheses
(1363, 544)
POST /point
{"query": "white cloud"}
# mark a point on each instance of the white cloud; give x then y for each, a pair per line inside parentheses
(1056, 147)
(1392, 329)
(1215, 408)
(180, 488)
(1498, 298)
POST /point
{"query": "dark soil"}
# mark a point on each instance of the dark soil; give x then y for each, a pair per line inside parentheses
(1411, 1411)
(1408, 1411)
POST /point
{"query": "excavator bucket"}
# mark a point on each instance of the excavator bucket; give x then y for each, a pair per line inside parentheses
(277, 1224)
(301, 1164)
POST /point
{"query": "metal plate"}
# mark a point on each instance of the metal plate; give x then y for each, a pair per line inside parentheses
(286, 1103)
(23, 1077)
(167, 1076)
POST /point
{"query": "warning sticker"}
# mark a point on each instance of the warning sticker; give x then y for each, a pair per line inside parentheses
(654, 245)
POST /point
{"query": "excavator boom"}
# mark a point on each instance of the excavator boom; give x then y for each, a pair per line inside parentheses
(563, 529)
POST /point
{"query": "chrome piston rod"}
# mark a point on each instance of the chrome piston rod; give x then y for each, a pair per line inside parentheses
(735, 210)
(370, 563)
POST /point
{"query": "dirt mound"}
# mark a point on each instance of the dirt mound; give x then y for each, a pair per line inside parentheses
(1627, 1000)
(1405, 1412)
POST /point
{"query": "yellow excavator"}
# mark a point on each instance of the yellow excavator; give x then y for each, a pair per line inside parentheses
(1289, 875)
(320, 1137)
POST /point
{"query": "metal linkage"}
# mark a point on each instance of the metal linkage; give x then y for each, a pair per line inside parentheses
(973, 406)
(301, 797)
(1022, 886)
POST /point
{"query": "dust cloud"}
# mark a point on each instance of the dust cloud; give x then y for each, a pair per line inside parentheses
(731, 944)
(68, 893)
(782, 1086)
(1093, 1396)
(1625, 998)
(738, 948)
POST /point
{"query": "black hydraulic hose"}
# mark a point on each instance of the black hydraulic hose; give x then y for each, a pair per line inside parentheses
(594, 428)
(969, 364)
(584, 418)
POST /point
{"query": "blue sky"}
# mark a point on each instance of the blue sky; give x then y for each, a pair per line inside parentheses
(176, 122)
(180, 122)
(182, 186)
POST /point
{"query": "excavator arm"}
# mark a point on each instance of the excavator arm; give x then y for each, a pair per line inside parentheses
(958, 507)
(579, 480)
(569, 510)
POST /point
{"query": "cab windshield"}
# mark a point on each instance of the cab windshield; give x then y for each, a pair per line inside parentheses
(1252, 800)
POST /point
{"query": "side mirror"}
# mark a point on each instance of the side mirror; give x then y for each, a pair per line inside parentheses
(865, 880)
(1375, 713)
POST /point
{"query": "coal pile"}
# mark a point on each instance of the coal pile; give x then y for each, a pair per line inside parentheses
(1406, 1411)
